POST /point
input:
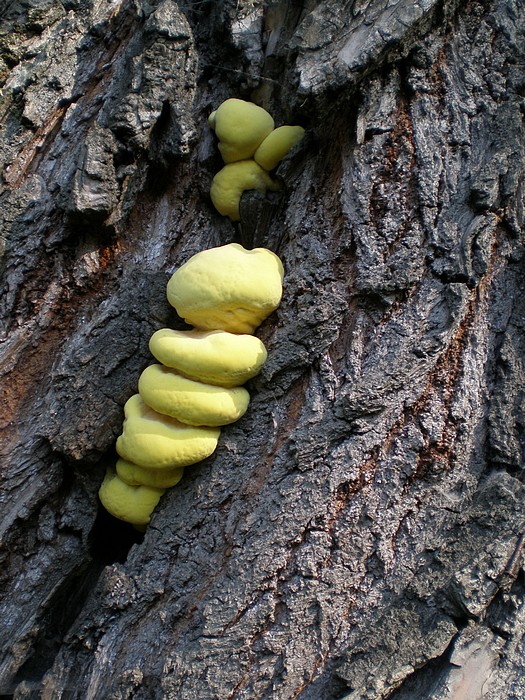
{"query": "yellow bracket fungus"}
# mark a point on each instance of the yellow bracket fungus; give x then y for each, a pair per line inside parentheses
(174, 421)
(134, 475)
(134, 504)
(150, 439)
(250, 147)
(228, 288)
(225, 293)
(230, 182)
(276, 145)
(240, 127)
(189, 401)
(212, 357)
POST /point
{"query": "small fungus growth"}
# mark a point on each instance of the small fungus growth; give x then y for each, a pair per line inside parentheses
(230, 182)
(250, 147)
(174, 420)
(276, 145)
(240, 127)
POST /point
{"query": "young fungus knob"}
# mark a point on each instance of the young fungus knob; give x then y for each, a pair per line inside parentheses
(211, 119)
(189, 401)
(150, 439)
(134, 504)
(212, 357)
(134, 475)
(276, 145)
(234, 179)
(228, 288)
(240, 127)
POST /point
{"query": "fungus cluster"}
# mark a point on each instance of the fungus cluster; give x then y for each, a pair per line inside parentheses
(251, 148)
(174, 420)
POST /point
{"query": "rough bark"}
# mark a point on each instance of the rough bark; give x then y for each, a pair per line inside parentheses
(359, 533)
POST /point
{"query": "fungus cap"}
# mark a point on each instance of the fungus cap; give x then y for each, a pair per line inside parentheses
(229, 184)
(134, 504)
(276, 145)
(134, 475)
(240, 127)
(214, 357)
(227, 288)
(150, 439)
(191, 402)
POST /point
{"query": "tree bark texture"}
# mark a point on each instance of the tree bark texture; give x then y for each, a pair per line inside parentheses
(359, 533)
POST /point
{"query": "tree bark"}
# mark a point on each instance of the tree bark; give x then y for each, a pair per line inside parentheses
(359, 533)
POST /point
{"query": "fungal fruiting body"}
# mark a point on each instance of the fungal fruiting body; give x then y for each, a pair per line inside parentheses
(230, 182)
(174, 421)
(131, 503)
(157, 441)
(240, 127)
(187, 400)
(276, 145)
(230, 289)
(250, 147)
(213, 357)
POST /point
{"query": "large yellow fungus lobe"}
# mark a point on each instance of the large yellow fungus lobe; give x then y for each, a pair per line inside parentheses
(134, 475)
(228, 288)
(276, 145)
(150, 439)
(134, 504)
(240, 127)
(189, 401)
(229, 184)
(213, 357)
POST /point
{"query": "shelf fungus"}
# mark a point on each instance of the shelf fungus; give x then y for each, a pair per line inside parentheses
(213, 357)
(188, 400)
(250, 148)
(230, 182)
(240, 127)
(228, 288)
(174, 421)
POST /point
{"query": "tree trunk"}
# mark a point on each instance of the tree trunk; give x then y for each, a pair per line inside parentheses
(359, 532)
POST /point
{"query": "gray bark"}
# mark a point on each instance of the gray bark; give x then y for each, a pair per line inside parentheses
(359, 533)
